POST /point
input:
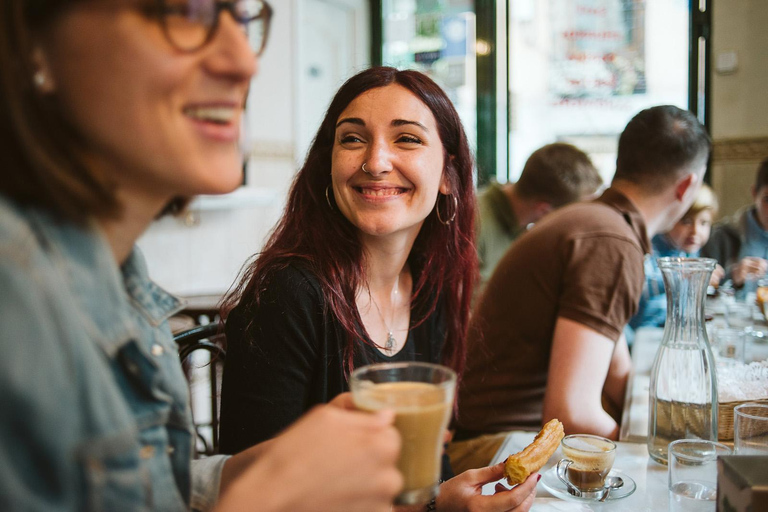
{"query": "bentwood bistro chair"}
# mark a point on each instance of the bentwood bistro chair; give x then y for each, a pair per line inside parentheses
(202, 350)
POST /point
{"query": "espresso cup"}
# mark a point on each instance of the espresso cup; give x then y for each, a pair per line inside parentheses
(421, 394)
(588, 460)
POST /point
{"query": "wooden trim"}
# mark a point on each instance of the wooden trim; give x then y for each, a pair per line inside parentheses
(743, 149)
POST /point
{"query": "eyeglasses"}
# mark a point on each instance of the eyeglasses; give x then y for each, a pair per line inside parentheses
(191, 24)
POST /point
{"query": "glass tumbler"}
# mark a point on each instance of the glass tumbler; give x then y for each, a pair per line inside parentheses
(750, 429)
(693, 474)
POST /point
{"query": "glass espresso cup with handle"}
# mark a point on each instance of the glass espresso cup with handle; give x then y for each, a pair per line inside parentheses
(421, 394)
(588, 460)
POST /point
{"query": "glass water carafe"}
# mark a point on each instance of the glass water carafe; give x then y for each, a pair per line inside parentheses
(683, 390)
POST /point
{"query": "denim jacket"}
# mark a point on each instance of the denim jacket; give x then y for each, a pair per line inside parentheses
(94, 404)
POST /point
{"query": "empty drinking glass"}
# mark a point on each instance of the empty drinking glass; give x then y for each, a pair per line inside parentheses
(740, 315)
(750, 429)
(728, 344)
(693, 474)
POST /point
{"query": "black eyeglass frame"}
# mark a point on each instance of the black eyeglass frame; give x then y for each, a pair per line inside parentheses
(220, 6)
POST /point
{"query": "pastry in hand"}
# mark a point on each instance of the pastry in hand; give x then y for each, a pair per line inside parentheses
(535, 455)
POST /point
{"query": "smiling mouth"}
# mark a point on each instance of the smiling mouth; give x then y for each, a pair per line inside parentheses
(216, 115)
(380, 192)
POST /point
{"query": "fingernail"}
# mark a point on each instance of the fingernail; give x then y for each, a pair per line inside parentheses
(538, 478)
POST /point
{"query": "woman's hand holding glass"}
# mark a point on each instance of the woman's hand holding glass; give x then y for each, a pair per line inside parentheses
(331, 459)
(464, 492)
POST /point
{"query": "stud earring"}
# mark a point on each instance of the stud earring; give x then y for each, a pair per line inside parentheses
(39, 79)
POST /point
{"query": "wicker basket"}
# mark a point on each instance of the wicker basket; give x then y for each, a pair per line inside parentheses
(725, 417)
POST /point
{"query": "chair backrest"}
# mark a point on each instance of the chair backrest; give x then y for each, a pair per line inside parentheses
(202, 351)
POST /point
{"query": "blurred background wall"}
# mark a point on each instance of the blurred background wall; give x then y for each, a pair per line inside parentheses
(739, 98)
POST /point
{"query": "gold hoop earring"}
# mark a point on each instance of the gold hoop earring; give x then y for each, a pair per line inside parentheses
(453, 215)
(328, 197)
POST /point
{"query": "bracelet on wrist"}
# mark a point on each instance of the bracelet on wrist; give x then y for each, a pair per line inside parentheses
(432, 505)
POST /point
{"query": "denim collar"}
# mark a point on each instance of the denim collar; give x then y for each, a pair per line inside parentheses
(110, 296)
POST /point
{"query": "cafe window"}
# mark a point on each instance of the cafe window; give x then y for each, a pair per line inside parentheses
(436, 37)
(580, 69)
(524, 73)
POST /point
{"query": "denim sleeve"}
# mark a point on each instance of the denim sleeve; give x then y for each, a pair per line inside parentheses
(36, 425)
(206, 480)
(652, 308)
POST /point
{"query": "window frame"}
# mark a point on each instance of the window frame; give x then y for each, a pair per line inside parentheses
(487, 13)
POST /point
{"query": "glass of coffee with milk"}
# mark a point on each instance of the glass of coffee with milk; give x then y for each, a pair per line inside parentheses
(421, 394)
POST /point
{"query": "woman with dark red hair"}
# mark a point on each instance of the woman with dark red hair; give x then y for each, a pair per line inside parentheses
(373, 261)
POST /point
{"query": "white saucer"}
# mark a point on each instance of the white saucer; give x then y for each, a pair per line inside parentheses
(557, 488)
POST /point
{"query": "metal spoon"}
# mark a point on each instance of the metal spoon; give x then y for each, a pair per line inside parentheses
(612, 482)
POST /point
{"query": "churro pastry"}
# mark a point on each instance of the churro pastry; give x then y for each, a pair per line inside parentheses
(535, 455)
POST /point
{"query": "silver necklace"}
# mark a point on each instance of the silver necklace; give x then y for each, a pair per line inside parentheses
(389, 345)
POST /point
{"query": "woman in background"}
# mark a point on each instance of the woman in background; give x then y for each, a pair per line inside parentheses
(110, 111)
(373, 261)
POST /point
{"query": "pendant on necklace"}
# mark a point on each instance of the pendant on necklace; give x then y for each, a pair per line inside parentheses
(390, 345)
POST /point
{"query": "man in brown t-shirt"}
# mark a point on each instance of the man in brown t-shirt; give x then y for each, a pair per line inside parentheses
(546, 340)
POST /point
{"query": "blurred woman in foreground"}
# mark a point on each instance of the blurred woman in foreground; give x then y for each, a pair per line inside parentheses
(110, 111)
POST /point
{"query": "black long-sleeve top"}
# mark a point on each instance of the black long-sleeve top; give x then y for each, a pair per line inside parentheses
(286, 355)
